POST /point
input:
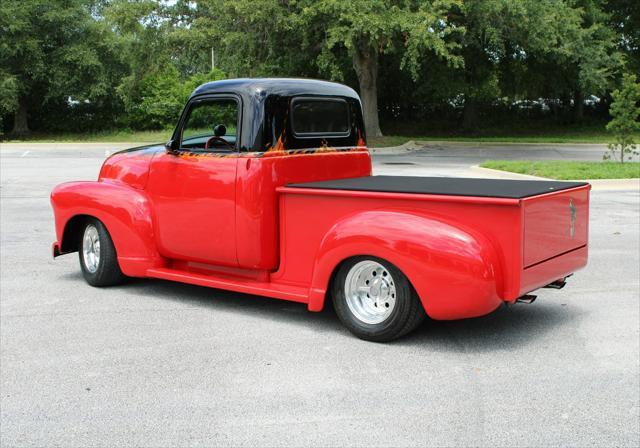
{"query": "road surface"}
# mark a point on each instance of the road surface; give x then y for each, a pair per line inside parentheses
(155, 363)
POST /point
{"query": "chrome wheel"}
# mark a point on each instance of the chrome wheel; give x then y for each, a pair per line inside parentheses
(370, 292)
(91, 248)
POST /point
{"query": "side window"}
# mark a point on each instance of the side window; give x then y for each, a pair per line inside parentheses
(212, 125)
(324, 117)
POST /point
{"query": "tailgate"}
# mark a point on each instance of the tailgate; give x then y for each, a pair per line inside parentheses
(554, 224)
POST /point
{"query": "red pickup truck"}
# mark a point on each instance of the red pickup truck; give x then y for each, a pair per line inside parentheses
(266, 188)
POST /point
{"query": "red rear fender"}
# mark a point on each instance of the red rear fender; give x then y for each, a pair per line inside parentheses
(125, 212)
(453, 270)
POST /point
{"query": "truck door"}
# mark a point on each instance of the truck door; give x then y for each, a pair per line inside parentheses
(192, 187)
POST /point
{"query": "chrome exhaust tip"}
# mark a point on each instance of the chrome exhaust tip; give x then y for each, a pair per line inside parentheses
(527, 298)
(558, 284)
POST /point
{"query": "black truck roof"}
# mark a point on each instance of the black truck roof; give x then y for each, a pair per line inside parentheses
(277, 86)
(266, 104)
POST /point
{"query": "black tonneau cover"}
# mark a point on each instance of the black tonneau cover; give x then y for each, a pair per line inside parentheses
(448, 186)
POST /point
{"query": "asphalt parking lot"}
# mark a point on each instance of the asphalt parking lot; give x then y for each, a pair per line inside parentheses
(155, 363)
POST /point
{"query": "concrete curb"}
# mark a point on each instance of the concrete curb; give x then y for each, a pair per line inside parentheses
(499, 174)
(596, 184)
(531, 145)
(413, 145)
(614, 184)
(406, 147)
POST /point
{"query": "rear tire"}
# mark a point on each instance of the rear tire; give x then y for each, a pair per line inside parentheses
(375, 300)
(98, 258)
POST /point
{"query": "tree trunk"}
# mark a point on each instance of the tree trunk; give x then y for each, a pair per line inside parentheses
(470, 114)
(365, 63)
(20, 124)
(578, 106)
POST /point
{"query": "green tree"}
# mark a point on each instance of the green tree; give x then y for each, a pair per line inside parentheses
(162, 96)
(167, 57)
(592, 60)
(74, 64)
(367, 29)
(52, 50)
(8, 95)
(624, 19)
(625, 113)
(251, 38)
(512, 46)
(329, 38)
(142, 30)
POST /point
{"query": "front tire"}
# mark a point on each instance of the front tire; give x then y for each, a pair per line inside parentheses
(375, 300)
(98, 258)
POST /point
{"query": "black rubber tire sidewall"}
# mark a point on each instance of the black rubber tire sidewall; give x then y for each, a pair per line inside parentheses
(108, 272)
(407, 314)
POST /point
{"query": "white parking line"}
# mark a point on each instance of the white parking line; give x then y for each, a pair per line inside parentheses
(25, 153)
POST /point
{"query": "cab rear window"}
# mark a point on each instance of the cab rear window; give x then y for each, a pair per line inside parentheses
(326, 117)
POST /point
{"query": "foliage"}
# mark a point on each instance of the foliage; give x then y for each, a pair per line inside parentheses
(53, 51)
(89, 65)
(624, 20)
(252, 38)
(511, 46)
(160, 96)
(624, 125)
(567, 170)
(8, 95)
(410, 28)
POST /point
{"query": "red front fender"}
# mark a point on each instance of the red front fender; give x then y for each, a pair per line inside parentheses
(126, 213)
(454, 271)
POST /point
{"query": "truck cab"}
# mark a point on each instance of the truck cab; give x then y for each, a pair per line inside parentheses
(266, 188)
(221, 185)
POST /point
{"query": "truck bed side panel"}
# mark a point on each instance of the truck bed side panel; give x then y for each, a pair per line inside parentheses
(451, 249)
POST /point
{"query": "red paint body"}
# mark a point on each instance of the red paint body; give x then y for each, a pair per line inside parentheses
(228, 220)
(464, 255)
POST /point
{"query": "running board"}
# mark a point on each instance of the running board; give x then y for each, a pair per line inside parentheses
(266, 289)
